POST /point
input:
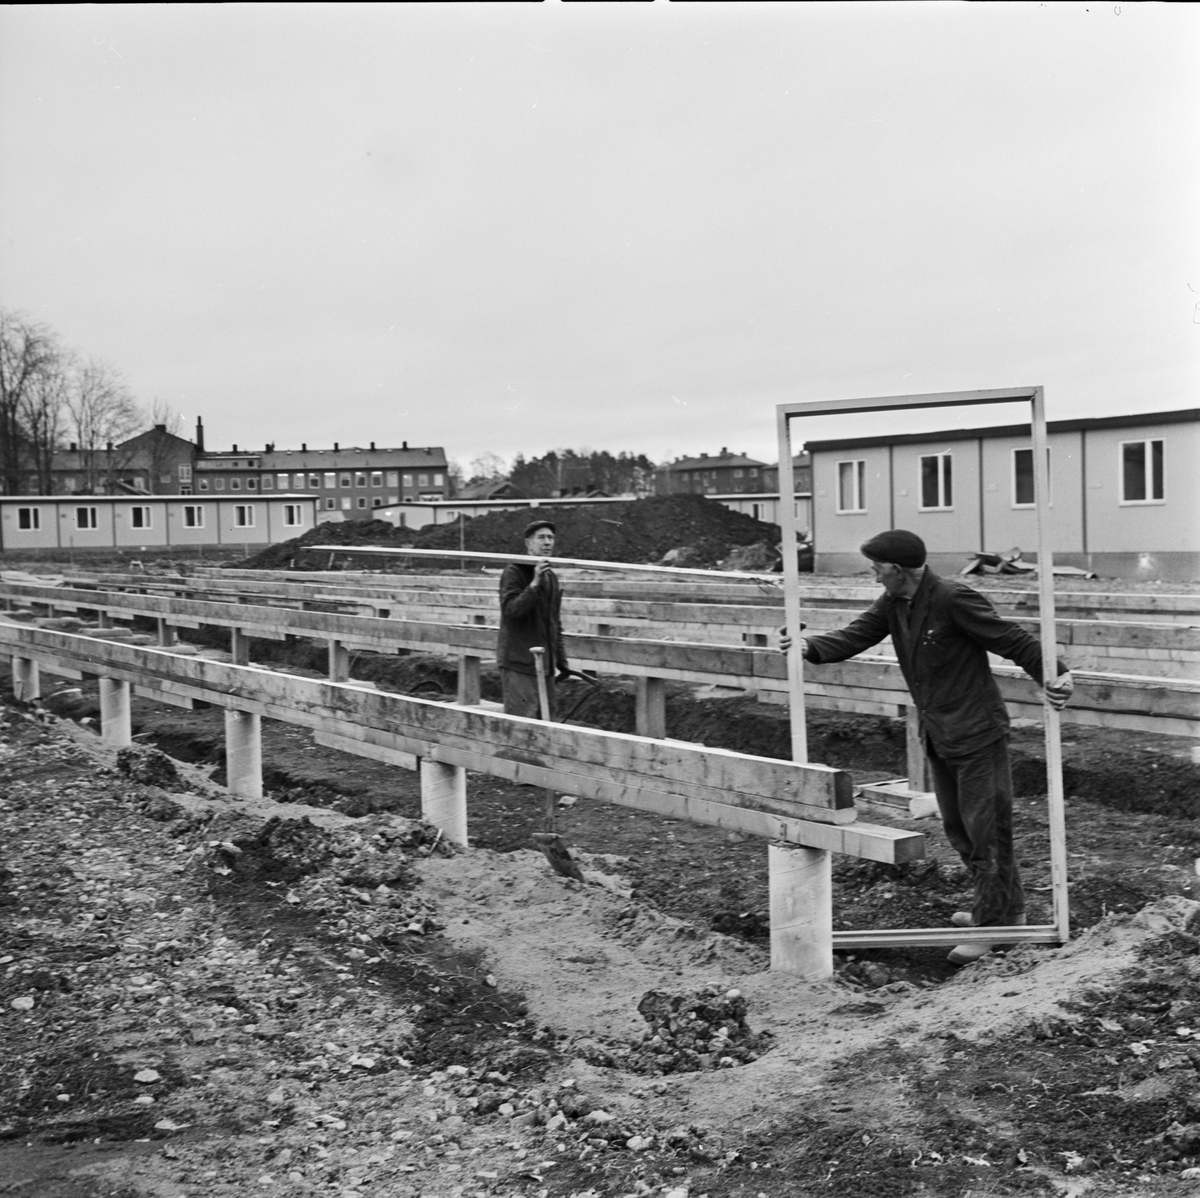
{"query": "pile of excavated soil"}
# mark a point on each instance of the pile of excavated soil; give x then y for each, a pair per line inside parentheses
(700, 531)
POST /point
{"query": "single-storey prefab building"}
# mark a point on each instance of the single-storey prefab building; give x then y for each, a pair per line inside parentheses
(33, 522)
(1124, 494)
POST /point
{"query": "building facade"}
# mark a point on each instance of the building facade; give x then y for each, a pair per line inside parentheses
(726, 474)
(52, 522)
(1124, 494)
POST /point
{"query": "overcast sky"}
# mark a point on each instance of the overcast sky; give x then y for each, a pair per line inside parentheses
(629, 227)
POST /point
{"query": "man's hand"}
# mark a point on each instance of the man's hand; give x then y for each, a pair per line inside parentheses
(541, 566)
(785, 642)
(1060, 690)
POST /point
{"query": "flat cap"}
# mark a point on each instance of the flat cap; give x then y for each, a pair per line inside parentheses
(896, 545)
(530, 529)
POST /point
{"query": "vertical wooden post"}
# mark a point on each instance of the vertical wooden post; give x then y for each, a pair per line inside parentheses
(444, 798)
(103, 619)
(166, 632)
(468, 679)
(650, 710)
(26, 679)
(801, 910)
(115, 725)
(239, 646)
(918, 767)
(339, 662)
(243, 754)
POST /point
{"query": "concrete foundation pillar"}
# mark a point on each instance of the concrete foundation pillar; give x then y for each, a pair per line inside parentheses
(243, 754)
(339, 662)
(26, 679)
(166, 632)
(468, 679)
(115, 726)
(801, 894)
(650, 710)
(444, 798)
(103, 619)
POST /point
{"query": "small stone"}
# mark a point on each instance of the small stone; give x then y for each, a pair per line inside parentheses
(24, 1003)
(143, 1100)
(147, 1075)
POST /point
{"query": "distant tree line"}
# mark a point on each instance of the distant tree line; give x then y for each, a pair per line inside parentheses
(52, 396)
(568, 472)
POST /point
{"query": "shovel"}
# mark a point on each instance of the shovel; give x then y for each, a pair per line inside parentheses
(550, 842)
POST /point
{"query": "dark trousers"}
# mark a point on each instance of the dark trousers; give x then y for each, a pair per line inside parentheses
(975, 795)
(520, 693)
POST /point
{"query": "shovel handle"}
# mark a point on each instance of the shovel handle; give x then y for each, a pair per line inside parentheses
(539, 667)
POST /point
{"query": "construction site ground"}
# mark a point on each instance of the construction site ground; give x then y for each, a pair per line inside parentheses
(313, 994)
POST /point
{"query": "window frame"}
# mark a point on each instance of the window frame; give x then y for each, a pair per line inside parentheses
(243, 515)
(32, 517)
(1147, 444)
(145, 511)
(193, 515)
(293, 515)
(92, 514)
(1017, 503)
(858, 488)
(945, 481)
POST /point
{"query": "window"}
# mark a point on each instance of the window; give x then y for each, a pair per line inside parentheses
(377, 501)
(422, 480)
(243, 515)
(283, 481)
(268, 483)
(185, 474)
(393, 478)
(437, 480)
(737, 473)
(235, 484)
(293, 515)
(408, 480)
(330, 479)
(360, 479)
(330, 503)
(86, 517)
(314, 481)
(193, 515)
(139, 517)
(345, 480)
(753, 472)
(298, 482)
(1141, 472)
(203, 484)
(936, 481)
(218, 484)
(1023, 494)
(377, 478)
(362, 501)
(852, 491)
(393, 498)
(29, 518)
(345, 503)
(251, 484)
(185, 490)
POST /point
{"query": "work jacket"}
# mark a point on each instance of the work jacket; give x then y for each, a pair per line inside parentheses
(942, 648)
(530, 616)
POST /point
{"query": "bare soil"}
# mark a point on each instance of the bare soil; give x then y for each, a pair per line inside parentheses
(313, 994)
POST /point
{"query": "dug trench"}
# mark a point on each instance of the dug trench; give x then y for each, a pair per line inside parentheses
(331, 1000)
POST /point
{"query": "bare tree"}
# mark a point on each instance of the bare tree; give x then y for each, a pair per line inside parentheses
(487, 466)
(164, 424)
(28, 353)
(42, 410)
(102, 413)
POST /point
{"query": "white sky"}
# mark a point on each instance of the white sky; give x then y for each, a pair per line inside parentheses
(625, 227)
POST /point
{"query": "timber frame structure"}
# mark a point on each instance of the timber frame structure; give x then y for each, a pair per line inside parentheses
(1059, 930)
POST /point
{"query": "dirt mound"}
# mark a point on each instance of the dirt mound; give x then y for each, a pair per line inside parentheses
(332, 534)
(695, 530)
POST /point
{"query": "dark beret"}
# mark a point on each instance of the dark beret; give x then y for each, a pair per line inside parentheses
(532, 528)
(898, 546)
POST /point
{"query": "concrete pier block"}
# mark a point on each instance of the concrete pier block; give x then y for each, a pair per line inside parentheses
(243, 754)
(26, 679)
(468, 680)
(650, 708)
(444, 798)
(115, 726)
(801, 910)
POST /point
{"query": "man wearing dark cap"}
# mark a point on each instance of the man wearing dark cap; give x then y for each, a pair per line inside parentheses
(942, 631)
(530, 607)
